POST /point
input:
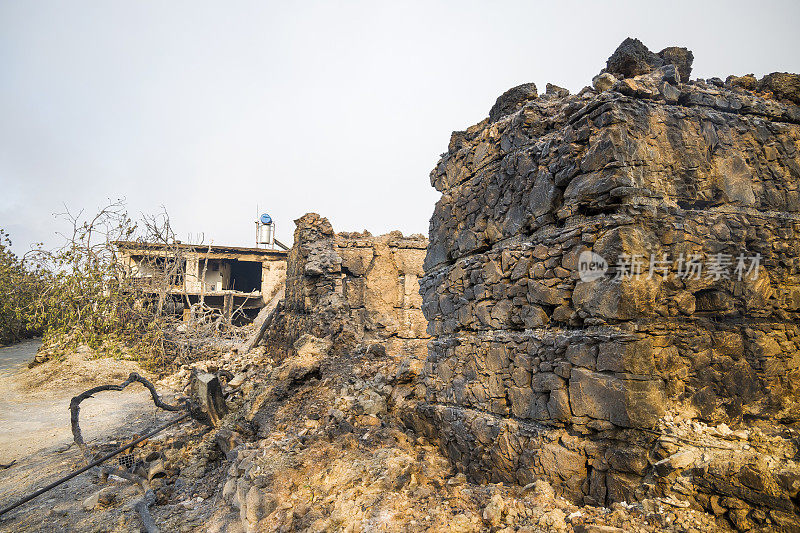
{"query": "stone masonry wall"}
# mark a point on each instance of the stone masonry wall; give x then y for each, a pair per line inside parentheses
(352, 287)
(532, 372)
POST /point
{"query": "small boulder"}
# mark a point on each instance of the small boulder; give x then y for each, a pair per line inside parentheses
(676, 461)
(227, 440)
(229, 490)
(494, 510)
(376, 349)
(258, 505)
(632, 58)
(603, 82)
(748, 82)
(237, 381)
(107, 497)
(784, 85)
(541, 489)
(102, 498)
(513, 99)
(555, 90)
(681, 57)
(310, 351)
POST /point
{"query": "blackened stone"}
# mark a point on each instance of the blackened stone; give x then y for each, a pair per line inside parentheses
(556, 90)
(705, 401)
(681, 57)
(748, 81)
(208, 392)
(632, 58)
(783, 85)
(512, 100)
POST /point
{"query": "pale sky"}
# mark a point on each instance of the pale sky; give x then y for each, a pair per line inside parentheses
(213, 109)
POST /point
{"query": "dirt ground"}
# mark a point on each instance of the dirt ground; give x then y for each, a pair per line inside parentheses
(35, 431)
(34, 408)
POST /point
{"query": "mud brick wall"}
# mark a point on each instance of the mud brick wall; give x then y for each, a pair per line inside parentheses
(353, 287)
(533, 372)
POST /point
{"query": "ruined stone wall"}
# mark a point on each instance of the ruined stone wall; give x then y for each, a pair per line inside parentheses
(273, 278)
(533, 372)
(354, 288)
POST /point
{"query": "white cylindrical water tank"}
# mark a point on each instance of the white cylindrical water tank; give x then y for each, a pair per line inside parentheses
(265, 234)
(265, 230)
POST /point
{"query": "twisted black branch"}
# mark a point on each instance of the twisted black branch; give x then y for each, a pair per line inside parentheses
(74, 404)
(142, 507)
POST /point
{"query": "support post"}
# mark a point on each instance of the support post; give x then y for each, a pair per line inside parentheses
(227, 307)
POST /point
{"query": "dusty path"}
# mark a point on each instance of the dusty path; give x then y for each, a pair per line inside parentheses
(18, 355)
(35, 430)
(34, 405)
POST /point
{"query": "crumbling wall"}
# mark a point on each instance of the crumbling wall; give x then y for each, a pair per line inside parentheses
(535, 372)
(273, 278)
(353, 288)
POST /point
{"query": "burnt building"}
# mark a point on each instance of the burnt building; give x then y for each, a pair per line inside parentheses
(222, 277)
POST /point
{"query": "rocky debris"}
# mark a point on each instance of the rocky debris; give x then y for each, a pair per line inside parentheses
(310, 350)
(334, 455)
(238, 372)
(351, 288)
(748, 476)
(781, 85)
(536, 372)
(632, 58)
(319, 441)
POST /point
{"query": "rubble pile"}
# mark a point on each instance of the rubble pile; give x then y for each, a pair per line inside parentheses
(602, 263)
(318, 441)
(330, 452)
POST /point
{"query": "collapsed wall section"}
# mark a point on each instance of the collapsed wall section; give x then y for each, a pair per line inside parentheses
(353, 288)
(546, 364)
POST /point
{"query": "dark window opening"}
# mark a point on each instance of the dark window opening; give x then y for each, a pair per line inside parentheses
(212, 266)
(245, 276)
